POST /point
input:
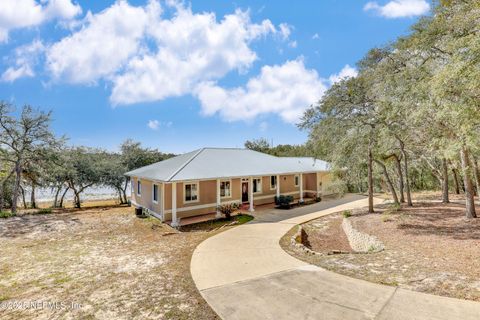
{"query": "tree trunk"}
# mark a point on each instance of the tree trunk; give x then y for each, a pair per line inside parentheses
(76, 199)
(455, 179)
(125, 200)
(2, 188)
(119, 191)
(389, 181)
(63, 197)
(469, 201)
(445, 181)
(22, 192)
(16, 187)
(407, 179)
(55, 200)
(2, 204)
(370, 179)
(476, 174)
(400, 178)
(124, 190)
(33, 203)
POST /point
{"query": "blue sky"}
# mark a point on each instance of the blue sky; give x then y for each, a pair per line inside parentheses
(183, 75)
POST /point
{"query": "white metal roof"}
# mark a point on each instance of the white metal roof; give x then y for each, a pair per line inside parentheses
(213, 163)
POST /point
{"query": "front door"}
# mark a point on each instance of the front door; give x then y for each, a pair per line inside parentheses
(244, 191)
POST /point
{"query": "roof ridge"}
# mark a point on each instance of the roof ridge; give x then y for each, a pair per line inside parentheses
(185, 164)
(226, 148)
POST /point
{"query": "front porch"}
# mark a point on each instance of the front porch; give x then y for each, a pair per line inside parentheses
(252, 193)
(260, 211)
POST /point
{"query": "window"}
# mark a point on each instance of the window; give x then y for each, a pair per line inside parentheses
(139, 188)
(257, 185)
(191, 192)
(273, 182)
(155, 193)
(225, 189)
(297, 180)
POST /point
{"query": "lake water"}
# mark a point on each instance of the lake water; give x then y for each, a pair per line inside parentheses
(92, 193)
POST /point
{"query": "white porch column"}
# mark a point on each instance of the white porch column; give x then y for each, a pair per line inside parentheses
(318, 183)
(174, 205)
(278, 186)
(219, 214)
(301, 186)
(162, 201)
(250, 193)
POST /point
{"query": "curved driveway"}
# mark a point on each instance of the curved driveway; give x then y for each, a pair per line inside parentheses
(243, 273)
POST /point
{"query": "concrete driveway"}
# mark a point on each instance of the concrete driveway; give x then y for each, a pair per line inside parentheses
(243, 273)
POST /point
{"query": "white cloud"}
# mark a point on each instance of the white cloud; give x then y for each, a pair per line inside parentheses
(104, 44)
(399, 8)
(191, 48)
(316, 36)
(16, 14)
(153, 124)
(147, 57)
(346, 72)
(285, 30)
(286, 90)
(292, 44)
(24, 60)
(263, 126)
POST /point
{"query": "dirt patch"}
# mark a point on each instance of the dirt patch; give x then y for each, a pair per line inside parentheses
(429, 248)
(97, 263)
(326, 235)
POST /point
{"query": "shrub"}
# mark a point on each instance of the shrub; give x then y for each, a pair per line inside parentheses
(283, 201)
(44, 211)
(395, 207)
(347, 213)
(337, 187)
(228, 209)
(6, 214)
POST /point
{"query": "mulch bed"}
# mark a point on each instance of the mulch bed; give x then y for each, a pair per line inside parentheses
(430, 248)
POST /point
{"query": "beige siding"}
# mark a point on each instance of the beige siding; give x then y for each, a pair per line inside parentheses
(287, 184)
(208, 193)
(146, 198)
(237, 189)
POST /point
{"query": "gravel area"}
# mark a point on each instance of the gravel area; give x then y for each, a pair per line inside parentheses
(101, 263)
(429, 248)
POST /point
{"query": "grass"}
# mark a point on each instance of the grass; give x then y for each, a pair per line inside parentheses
(347, 213)
(44, 211)
(6, 214)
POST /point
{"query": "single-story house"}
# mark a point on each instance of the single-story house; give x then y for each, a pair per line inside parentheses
(196, 183)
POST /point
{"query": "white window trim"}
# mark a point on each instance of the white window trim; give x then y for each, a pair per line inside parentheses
(261, 189)
(226, 180)
(276, 183)
(295, 180)
(139, 188)
(153, 193)
(185, 193)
